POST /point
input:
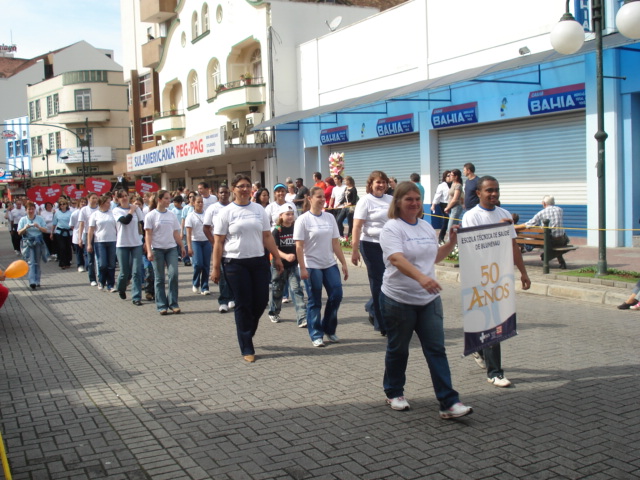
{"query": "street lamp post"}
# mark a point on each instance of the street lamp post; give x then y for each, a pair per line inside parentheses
(567, 38)
(46, 157)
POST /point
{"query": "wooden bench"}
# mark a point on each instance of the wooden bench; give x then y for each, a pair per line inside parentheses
(536, 237)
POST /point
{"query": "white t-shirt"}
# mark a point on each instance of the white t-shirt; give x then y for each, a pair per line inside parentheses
(481, 216)
(48, 219)
(105, 226)
(243, 226)
(195, 220)
(73, 223)
(418, 243)
(85, 214)
(211, 212)
(128, 235)
(289, 197)
(374, 211)
(272, 211)
(210, 200)
(16, 214)
(162, 226)
(317, 232)
(338, 194)
(442, 194)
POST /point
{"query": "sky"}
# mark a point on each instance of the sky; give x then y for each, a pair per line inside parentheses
(40, 26)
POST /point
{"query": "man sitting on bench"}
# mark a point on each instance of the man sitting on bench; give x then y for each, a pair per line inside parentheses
(554, 214)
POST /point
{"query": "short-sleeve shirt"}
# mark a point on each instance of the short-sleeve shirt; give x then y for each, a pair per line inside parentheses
(211, 212)
(243, 226)
(317, 232)
(481, 216)
(31, 232)
(210, 200)
(128, 235)
(418, 243)
(283, 237)
(272, 211)
(195, 221)
(470, 193)
(162, 226)
(338, 195)
(375, 213)
(61, 220)
(105, 226)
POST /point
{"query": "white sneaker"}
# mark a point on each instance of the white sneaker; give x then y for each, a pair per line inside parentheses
(100, 286)
(232, 304)
(457, 410)
(499, 381)
(285, 300)
(398, 403)
(94, 284)
(479, 360)
(334, 338)
(318, 342)
(223, 308)
(113, 290)
(195, 289)
(205, 292)
(81, 269)
(303, 324)
(274, 318)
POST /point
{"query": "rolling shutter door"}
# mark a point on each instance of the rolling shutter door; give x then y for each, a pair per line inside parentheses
(530, 158)
(397, 156)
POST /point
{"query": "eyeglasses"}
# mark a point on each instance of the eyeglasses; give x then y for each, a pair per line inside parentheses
(244, 186)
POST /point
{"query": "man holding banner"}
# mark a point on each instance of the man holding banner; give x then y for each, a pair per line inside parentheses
(488, 252)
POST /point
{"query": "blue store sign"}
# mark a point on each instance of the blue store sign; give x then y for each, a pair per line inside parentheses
(395, 125)
(570, 97)
(334, 135)
(455, 115)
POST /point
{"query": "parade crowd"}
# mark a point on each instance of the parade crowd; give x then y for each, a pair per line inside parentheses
(265, 247)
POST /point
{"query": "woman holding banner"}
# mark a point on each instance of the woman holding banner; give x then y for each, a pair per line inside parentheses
(410, 300)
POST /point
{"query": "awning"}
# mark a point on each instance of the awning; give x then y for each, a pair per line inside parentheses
(357, 104)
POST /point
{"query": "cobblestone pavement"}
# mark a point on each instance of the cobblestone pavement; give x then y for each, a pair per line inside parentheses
(93, 387)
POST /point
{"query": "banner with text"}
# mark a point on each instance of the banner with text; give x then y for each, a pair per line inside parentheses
(488, 285)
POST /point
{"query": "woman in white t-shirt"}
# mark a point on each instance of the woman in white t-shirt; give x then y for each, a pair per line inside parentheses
(199, 248)
(368, 220)
(101, 237)
(162, 234)
(128, 246)
(410, 300)
(83, 227)
(242, 232)
(317, 240)
(75, 239)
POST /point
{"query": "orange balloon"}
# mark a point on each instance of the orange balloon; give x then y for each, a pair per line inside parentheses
(17, 269)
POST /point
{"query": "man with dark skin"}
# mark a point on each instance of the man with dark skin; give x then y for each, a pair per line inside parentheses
(485, 213)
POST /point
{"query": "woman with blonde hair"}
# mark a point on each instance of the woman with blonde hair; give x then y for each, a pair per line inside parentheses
(101, 237)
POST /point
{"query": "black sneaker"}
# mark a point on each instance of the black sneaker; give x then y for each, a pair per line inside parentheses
(627, 306)
(123, 294)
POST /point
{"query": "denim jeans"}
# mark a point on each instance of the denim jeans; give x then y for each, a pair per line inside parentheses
(89, 260)
(168, 256)
(249, 280)
(330, 278)
(130, 260)
(226, 295)
(33, 260)
(427, 321)
(201, 263)
(341, 215)
(372, 256)
(289, 277)
(79, 255)
(493, 360)
(148, 276)
(455, 216)
(106, 254)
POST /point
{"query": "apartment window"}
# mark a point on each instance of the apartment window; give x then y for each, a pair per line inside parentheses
(49, 106)
(12, 152)
(25, 147)
(56, 103)
(132, 139)
(52, 142)
(205, 18)
(256, 64)
(36, 145)
(146, 127)
(58, 141)
(83, 99)
(214, 77)
(194, 26)
(18, 148)
(193, 88)
(38, 111)
(144, 83)
(81, 133)
(32, 111)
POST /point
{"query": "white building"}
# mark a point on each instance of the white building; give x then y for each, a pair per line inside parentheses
(221, 68)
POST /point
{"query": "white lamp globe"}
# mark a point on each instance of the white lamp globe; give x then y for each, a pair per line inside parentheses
(567, 37)
(628, 20)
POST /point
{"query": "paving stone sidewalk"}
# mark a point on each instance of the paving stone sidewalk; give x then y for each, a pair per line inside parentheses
(93, 387)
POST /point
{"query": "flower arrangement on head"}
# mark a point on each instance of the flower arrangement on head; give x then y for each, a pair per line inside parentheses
(336, 163)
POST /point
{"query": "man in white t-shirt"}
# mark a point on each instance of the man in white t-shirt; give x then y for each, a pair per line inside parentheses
(337, 200)
(486, 213)
(205, 192)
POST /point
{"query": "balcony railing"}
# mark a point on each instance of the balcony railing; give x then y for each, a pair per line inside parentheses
(169, 123)
(157, 11)
(240, 94)
(152, 52)
(79, 116)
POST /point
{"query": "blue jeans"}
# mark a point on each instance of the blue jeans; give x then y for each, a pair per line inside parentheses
(427, 321)
(33, 260)
(79, 255)
(168, 256)
(455, 215)
(493, 360)
(226, 295)
(372, 256)
(106, 254)
(289, 277)
(130, 260)
(330, 278)
(249, 281)
(89, 260)
(201, 263)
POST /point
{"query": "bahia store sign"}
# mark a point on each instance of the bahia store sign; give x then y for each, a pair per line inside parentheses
(207, 144)
(395, 125)
(455, 115)
(559, 99)
(334, 135)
